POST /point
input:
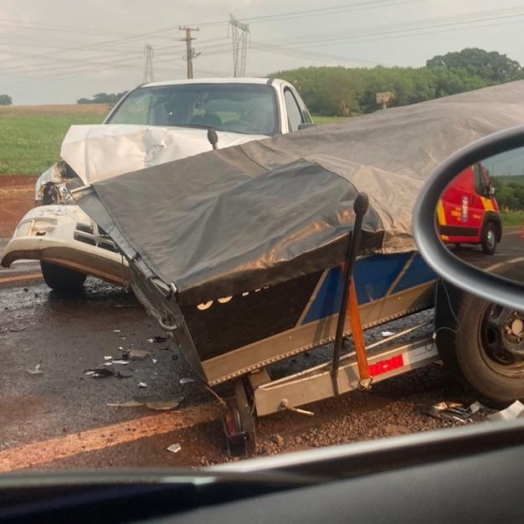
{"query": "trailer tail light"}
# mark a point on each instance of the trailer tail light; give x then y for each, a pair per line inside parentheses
(387, 365)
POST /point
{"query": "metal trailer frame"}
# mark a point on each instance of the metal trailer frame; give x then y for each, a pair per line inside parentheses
(257, 394)
(338, 303)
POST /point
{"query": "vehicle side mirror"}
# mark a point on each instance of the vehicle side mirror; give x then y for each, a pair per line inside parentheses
(472, 242)
(306, 125)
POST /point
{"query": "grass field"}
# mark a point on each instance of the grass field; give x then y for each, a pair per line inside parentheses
(512, 218)
(31, 136)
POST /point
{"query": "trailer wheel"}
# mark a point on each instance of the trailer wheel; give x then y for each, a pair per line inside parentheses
(489, 349)
(235, 441)
(239, 424)
(489, 238)
(61, 279)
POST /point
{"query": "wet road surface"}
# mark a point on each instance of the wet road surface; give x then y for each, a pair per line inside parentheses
(54, 415)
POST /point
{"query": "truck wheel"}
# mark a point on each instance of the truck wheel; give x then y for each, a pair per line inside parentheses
(489, 238)
(489, 347)
(61, 279)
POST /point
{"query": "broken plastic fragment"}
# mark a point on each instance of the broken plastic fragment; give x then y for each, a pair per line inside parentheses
(107, 364)
(117, 330)
(186, 380)
(142, 385)
(512, 412)
(35, 371)
(121, 362)
(174, 448)
(163, 405)
(387, 333)
(108, 357)
(136, 354)
(155, 361)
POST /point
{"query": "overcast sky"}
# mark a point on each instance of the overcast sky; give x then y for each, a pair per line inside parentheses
(56, 51)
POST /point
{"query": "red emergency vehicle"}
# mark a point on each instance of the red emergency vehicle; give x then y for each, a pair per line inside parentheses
(468, 212)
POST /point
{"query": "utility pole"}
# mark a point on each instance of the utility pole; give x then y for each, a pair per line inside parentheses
(239, 34)
(191, 54)
(148, 69)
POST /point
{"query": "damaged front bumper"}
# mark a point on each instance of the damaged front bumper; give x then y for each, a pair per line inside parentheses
(66, 236)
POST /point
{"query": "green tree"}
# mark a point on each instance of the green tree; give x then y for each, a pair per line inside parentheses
(327, 91)
(492, 67)
(5, 100)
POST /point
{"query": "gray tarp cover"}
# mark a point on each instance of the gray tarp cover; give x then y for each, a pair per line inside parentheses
(249, 216)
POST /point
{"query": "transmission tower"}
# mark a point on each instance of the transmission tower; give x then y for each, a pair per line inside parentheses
(148, 69)
(239, 33)
(191, 54)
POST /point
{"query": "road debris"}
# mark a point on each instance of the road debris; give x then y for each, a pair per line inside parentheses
(117, 330)
(108, 357)
(142, 385)
(36, 371)
(454, 411)
(512, 412)
(121, 362)
(186, 380)
(100, 373)
(155, 405)
(386, 334)
(157, 339)
(174, 448)
(163, 405)
(136, 354)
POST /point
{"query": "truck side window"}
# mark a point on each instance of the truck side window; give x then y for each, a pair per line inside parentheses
(481, 180)
(478, 181)
(294, 115)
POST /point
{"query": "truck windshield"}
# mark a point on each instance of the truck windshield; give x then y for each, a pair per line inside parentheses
(239, 108)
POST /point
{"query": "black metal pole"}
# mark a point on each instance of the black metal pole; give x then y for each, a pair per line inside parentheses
(360, 207)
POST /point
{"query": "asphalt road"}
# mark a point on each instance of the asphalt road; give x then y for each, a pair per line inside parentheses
(54, 415)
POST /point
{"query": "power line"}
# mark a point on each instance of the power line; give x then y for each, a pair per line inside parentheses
(415, 26)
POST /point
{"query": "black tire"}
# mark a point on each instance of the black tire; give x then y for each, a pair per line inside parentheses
(489, 351)
(489, 238)
(61, 279)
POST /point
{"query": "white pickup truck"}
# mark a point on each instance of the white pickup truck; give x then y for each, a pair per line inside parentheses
(152, 124)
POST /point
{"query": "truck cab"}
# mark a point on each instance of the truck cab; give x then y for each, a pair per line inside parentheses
(468, 212)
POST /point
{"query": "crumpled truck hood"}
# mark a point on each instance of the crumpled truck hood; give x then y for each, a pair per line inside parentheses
(98, 152)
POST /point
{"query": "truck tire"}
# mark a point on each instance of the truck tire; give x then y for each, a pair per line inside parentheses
(61, 279)
(488, 238)
(489, 349)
